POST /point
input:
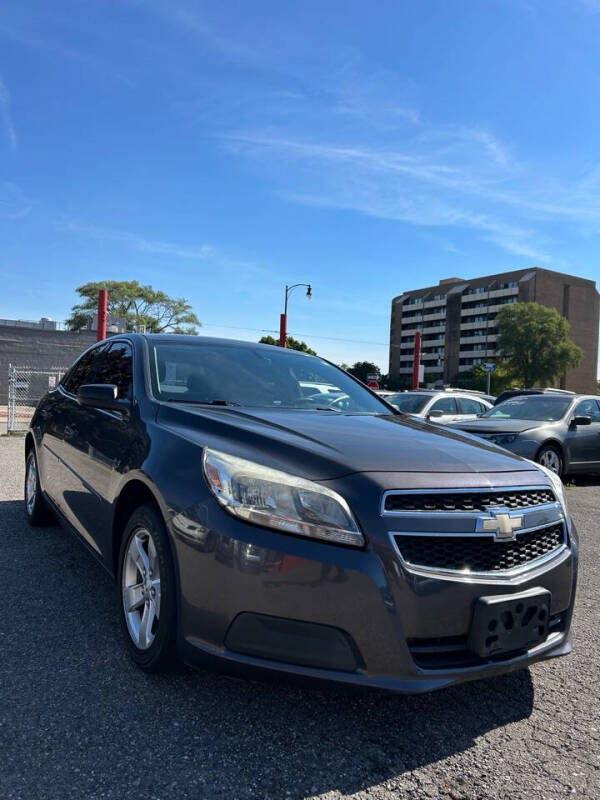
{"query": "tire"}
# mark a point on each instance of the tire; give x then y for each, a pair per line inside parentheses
(550, 456)
(37, 510)
(147, 600)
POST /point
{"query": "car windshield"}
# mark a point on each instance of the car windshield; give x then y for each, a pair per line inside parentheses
(409, 402)
(542, 407)
(260, 377)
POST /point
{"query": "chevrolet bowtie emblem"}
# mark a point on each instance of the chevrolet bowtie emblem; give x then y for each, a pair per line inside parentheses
(503, 526)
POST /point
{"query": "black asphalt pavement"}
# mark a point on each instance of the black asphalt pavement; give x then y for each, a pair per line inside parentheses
(77, 720)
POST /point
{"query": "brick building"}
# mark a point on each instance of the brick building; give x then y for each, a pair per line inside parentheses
(457, 322)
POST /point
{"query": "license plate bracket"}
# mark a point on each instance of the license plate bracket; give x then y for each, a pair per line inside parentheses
(503, 623)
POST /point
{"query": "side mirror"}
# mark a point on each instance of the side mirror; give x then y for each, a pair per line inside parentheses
(435, 414)
(581, 420)
(100, 395)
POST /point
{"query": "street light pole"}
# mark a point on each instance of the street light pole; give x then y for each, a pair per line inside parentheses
(283, 317)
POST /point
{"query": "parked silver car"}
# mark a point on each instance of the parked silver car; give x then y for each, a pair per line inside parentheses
(559, 431)
(440, 407)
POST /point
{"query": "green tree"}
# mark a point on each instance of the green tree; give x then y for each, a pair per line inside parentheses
(534, 341)
(361, 369)
(476, 378)
(138, 305)
(291, 343)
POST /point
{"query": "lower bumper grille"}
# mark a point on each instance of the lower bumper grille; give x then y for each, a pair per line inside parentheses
(479, 553)
(450, 652)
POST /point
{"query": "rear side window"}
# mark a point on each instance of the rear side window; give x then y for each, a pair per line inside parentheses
(84, 371)
(447, 405)
(469, 406)
(117, 367)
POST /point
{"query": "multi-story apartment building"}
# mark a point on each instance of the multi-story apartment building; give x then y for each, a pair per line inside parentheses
(457, 320)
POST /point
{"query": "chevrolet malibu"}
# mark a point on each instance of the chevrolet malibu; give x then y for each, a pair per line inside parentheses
(354, 544)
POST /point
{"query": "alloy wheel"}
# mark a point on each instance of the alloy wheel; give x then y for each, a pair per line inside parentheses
(30, 484)
(551, 460)
(140, 587)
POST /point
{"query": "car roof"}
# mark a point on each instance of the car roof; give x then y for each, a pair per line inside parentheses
(442, 393)
(184, 338)
(192, 338)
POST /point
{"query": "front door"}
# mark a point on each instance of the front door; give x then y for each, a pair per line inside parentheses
(583, 441)
(103, 447)
(447, 405)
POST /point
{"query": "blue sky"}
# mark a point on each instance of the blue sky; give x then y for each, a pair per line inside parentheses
(219, 150)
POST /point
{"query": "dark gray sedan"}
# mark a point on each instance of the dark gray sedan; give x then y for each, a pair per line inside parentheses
(341, 541)
(562, 432)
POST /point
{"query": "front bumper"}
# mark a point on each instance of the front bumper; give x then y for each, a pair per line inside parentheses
(300, 593)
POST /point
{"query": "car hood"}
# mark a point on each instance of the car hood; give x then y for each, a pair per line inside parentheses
(488, 425)
(324, 445)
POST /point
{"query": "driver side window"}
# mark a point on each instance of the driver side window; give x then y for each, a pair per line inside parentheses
(447, 405)
(84, 371)
(588, 408)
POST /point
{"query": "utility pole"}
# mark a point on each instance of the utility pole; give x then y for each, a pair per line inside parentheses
(102, 314)
(417, 361)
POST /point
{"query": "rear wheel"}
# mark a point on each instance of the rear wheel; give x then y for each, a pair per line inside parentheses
(36, 507)
(147, 598)
(549, 456)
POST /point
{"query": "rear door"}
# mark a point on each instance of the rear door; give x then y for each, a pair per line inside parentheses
(69, 491)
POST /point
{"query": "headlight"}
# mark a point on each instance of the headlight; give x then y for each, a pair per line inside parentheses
(275, 499)
(557, 485)
(504, 438)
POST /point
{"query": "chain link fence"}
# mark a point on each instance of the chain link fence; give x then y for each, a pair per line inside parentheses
(26, 386)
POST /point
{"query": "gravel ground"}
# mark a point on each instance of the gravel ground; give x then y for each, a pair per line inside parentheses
(77, 720)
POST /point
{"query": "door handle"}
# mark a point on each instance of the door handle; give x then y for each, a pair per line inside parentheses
(71, 432)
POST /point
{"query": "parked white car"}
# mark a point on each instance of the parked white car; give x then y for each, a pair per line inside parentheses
(439, 407)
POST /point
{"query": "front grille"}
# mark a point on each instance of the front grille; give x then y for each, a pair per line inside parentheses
(451, 652)
(479, 553)
(467, 501)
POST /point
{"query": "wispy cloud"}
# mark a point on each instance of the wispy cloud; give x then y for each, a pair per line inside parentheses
(14, 203)
(6, 116)
(142, 244)
(428, 183)
(205, 254)
(63, 50)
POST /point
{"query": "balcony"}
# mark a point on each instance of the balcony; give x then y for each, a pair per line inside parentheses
(434, 328)
(471, 326)
(464, 312)
(413, 306)
(434, 304)
(408, 319)
(491, 351)
(434, 317)
(439, 340)
(504, 292)
(492, 337)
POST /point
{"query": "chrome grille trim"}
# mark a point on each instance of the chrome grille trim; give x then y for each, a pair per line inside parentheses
(515, 575)
(465, 491)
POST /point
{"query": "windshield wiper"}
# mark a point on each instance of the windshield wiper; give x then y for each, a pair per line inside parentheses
(204, 402)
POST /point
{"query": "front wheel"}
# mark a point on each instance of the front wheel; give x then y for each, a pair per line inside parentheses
(550, 457)
(36, 507)
(147, 597)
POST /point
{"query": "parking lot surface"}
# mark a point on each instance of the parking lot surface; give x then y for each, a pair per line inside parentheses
(77, 720)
